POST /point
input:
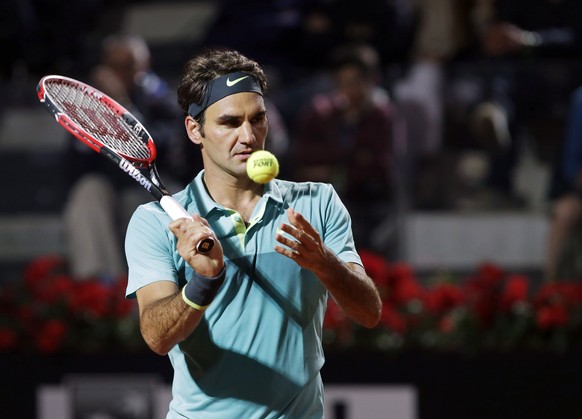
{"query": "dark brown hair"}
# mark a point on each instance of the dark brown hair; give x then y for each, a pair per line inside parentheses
(207, 66)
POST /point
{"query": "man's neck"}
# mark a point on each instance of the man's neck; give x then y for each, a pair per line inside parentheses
(234, 193)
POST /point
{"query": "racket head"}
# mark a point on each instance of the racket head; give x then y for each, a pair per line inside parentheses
(96, 119)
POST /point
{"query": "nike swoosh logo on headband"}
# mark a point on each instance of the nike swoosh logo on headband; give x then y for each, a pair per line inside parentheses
(230, 83)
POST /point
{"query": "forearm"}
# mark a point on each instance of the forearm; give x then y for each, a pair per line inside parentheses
(353, 290)
(168, 321)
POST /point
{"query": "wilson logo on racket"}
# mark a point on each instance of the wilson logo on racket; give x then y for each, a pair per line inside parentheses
(130, 169)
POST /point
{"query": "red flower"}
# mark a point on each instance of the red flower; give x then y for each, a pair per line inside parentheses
(392, 319)
(121, 306)
(568, 293)
(376, 266)
(7, 339)
(45, 279)
(401, 270)
(549, 317)
(51, 335)
(334, 315)
(488, 277)
(62, 285)
(516, 290)
(42, 268)
(446, 324)
(481, 301)
(490, 272)
(92, 298)
(443, 297)
(402, 285)
(53, 288)
(406, 290)
(482, 292)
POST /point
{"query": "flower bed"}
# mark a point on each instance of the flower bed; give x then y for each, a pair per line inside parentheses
(488, 310)
(50, 312)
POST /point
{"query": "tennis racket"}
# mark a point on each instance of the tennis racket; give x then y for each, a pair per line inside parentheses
(112, 131)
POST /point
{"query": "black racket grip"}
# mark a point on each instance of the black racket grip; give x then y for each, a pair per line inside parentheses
(204, 246)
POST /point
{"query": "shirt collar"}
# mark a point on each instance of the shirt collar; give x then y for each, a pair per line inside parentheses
(273, 191)
(206, 204)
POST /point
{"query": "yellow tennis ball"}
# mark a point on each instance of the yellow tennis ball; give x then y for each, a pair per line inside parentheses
(262, 166)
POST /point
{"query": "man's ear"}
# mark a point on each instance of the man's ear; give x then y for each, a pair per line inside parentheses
(193, 130)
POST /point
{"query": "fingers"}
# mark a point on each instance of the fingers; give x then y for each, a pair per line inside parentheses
(198, 218)
(298, 221)
(190, 232)
(300, 238)
(294, 245)
(299, 235)
(297, 245)
(295, 218)
(286, 252)
(182, 224)
(293, 249)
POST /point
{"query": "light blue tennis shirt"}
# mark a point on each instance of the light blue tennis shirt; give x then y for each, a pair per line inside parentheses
(257, 351)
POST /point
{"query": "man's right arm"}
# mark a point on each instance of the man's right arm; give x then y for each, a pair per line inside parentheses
(165, 318)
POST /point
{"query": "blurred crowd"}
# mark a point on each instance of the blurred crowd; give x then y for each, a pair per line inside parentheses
(458, 105)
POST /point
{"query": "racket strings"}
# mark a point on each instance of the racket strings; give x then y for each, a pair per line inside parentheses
(98, 120)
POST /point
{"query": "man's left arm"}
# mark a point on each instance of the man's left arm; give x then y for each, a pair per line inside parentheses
(353, 290)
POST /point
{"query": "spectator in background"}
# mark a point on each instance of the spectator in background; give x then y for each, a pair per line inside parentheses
(39, 37)
(94, 214)
(385, 25)
(566, 195)
(487, 75)
(266, 31)
(446, 32)
(290, 35)
(446, 35)
(531, 49)
(345, 137)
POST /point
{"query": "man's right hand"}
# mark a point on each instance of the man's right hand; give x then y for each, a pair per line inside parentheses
(189, 233)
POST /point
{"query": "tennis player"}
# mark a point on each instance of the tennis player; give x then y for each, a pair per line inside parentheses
(242, 325)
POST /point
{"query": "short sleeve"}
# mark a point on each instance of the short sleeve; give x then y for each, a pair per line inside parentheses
(338, 235)
(149, 249)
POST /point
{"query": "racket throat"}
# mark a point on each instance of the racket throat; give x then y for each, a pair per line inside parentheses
(156, 180)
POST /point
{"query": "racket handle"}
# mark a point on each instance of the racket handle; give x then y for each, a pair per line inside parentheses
(173, 208)
(177, 211)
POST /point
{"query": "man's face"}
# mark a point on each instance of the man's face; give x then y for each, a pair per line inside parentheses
(123, 62)
(234, 127)
(354, 86)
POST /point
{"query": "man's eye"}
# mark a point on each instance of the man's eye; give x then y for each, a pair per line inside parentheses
(231, 123)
